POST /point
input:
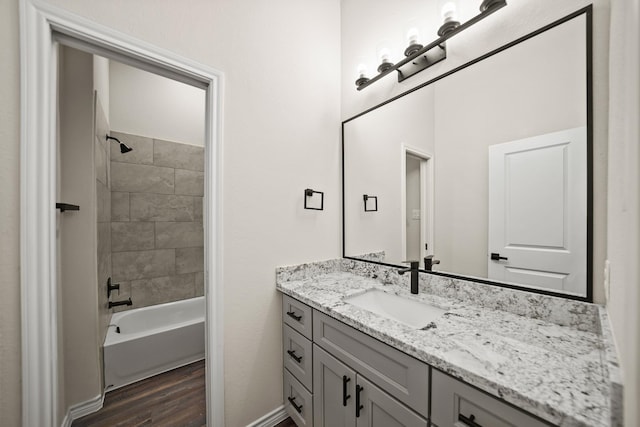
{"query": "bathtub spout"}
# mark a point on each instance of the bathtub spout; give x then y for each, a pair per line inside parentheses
(117, 303)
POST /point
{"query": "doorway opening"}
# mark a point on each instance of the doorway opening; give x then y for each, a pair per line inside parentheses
(417, 204)
(43, 29)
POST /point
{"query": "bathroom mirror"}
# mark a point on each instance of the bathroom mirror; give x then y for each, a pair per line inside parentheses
(484, 173)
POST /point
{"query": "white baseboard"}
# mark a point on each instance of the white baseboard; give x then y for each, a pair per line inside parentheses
(271, 419)
(81, 409)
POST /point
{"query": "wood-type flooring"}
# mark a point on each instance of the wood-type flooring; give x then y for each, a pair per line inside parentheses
(173, 399)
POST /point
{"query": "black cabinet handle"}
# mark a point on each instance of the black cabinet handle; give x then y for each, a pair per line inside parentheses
(345, 396)
(359, 388)
(468, 421)
(497, 257)
(292, 401)
(292, 314)
(294, 356)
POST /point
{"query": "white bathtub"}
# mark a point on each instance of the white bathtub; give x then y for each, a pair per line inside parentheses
(152, 340)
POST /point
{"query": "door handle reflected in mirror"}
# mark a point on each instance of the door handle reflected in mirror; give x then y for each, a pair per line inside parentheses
(497, 257)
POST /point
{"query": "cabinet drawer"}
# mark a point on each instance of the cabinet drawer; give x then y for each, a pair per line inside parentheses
(297, 315)
(297, 356)
(298, 401)
(400, 375)
(453, 401)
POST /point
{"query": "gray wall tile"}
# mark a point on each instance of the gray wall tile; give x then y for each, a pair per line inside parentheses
(189, 260)
(189, 182)
(160, 207)
(101, 162)
(162, 289)
(132, 236)
(141, 178)
(156, 213)
(198, 209)
(143, 264)
(176, 155)
(178, 234)
(119, 206)
(200, 284)
(103, 201)
(142, 149)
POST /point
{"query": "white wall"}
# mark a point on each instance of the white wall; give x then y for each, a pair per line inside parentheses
(9, 215)
(146, 104)
(366, 24)
(281, 135)
(101, 81)
(78, 301)
(374, 160)
(542, 91)
(624, 197)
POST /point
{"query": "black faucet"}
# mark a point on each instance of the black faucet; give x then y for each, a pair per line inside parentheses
(111, 288)
(414, 274)
(429, 262)
(117, 303)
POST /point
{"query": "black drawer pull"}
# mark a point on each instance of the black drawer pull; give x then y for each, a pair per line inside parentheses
(359, 388)
(294, 357)
(292, 314)
(345, 396)
(292, 401)
(468, 421)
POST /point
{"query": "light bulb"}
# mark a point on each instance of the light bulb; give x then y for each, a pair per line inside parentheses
(412, 35)
(384, 54)
(362, 70)
(449, 12)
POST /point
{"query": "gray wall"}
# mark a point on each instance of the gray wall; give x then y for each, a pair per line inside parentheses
(156, 220)
(103, 214)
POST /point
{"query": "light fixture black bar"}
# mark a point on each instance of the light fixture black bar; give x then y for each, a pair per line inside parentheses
(435, 43)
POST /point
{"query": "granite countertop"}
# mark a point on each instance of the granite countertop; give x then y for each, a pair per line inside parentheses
(558, 373)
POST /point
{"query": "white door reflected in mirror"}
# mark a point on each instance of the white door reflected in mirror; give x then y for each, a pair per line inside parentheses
(538, 211)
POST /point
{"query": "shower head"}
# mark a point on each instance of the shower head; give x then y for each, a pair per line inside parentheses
(124, 148)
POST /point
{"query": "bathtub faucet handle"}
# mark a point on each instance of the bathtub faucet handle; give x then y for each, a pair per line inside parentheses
(117, 303)
(110, 287)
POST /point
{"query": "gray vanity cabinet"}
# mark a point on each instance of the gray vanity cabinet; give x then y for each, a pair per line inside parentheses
(344, 398)
(297, 358)
(456, 404)
(333, 391)
(337, 376)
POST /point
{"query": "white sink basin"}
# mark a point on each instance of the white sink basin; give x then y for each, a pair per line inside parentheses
(410, 312)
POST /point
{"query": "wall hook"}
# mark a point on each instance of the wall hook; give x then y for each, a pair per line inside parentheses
(308, 193)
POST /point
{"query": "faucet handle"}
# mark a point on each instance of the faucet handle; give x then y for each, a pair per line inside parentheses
(413, 264)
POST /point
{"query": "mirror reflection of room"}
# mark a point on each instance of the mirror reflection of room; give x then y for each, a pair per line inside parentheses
(507, 140)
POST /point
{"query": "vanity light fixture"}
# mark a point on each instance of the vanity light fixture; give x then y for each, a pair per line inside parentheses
(362, 75)
(412, 39)
(385, 64)
(450, 16)
(308, 192)
(418, 57)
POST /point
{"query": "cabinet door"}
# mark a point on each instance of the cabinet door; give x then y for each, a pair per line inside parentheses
(378, 409)
(333, 391)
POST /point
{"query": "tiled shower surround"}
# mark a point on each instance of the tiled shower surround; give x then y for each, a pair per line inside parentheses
(156, 220)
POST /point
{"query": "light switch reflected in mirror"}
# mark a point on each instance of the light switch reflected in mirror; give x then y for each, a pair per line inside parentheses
(492, 159)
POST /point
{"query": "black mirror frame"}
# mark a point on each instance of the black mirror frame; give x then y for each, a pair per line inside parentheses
(588, 12)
